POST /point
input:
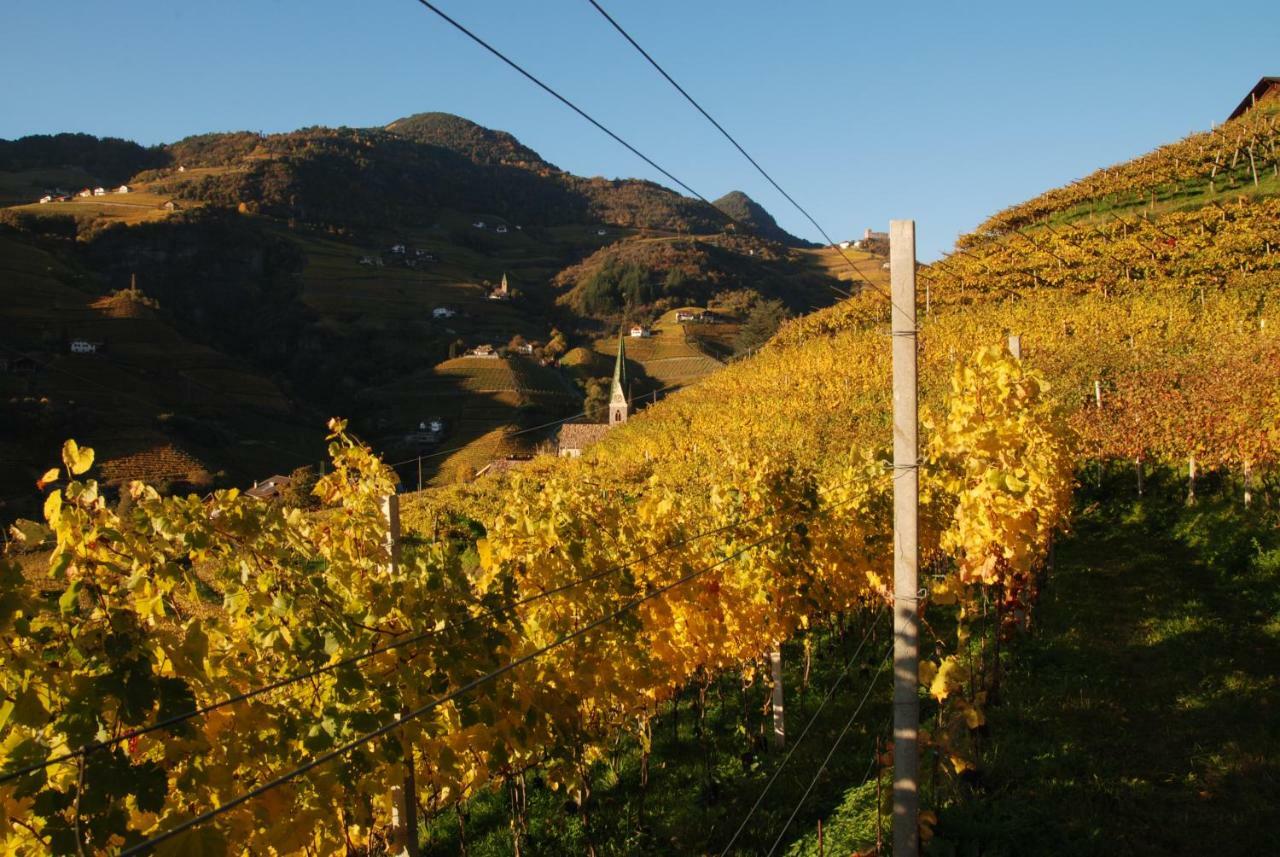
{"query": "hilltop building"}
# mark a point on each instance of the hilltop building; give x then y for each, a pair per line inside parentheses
(1267, 87)
(503, 291)
(574, 438)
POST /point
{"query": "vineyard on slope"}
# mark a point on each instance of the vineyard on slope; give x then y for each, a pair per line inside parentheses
(171, 603)
(1233, 156)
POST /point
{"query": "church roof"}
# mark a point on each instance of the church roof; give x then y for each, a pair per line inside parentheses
(617, 390)
(580, 435)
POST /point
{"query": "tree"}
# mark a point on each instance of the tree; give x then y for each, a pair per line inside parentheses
(596, 403)
(761, 324)
(556, 346)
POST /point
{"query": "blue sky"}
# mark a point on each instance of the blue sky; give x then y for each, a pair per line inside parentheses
(943, 112)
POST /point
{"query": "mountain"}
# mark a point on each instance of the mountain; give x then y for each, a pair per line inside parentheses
(744, 209)
(466, 138)
(272, 254)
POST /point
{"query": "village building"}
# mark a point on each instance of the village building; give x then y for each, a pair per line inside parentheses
(503, 291)
(85, 192)
(479, 224)
(501, 230)
(398, 249)
(525, 348)
(1267, 87)
(170, 205)
(84, 346)
(640, 332)
(486, 351)
(269, 488)
(124, 188)
(442, 312)
(46, 198)
(99, 191)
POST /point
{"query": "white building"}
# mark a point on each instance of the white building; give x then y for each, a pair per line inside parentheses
(398, 249)
(479, 224)
(502, 230)
(124, 188)
(99, 191)
(442, 312)
(84, 346)
(46, 198)
(638, 332)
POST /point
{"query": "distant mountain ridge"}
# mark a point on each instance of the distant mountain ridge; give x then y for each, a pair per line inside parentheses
(375, 177)
(744, 209)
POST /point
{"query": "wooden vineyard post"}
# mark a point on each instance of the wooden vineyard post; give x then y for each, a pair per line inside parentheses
(906, 496)
(779, 711)
(404, 798)
(1097, 394)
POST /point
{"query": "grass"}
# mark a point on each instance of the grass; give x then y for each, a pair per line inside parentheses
(1185, 196)
(1142, 716)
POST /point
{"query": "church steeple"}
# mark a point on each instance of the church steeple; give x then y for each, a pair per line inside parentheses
(619, 408)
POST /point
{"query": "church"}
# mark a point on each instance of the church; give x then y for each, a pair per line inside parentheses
(573, 438)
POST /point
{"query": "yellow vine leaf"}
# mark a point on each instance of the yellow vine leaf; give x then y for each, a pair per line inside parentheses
(76, 458)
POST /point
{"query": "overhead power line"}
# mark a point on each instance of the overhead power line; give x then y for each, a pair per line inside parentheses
(556, 95)
(735, 143)
(391, 726)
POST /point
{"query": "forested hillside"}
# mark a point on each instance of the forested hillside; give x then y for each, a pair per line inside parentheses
(276, 252)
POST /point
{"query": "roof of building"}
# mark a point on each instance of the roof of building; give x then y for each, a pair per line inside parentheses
(1261, 88)
(269, 487)
(617, 389)
(580, 435)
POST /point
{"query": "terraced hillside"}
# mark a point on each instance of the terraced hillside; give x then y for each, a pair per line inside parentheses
(160, 406)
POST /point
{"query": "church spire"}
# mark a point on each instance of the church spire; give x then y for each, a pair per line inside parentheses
(619, 408)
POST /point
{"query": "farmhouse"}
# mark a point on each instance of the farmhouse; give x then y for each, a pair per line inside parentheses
(170, 205)
(124, 188)
(99, 191)
(84, 346)
(442, 312)
(269, 488)
(485, 351)
(398, 249)
(501, 230)
(1268, 87)
(640, 332)
(46, 198)
(85, 192)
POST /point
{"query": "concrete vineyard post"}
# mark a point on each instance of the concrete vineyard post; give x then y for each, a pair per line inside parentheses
(779, 711)
(906, 495)
(1015, 346)
(404, 798)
